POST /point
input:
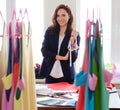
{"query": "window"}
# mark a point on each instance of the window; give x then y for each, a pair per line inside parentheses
(105, 13)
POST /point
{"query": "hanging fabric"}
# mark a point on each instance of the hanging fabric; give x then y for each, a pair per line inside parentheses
(7, 100)
(83, 73)
(93, 91)
(101, 92)
(26, 99)
(29, 93)
(3, 54)
(19, 77)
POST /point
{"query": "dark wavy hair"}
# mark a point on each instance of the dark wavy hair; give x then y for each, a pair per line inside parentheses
(55, 24)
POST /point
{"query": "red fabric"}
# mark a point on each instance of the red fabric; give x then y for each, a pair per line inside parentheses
(15, 74)
(81, 98)
(62, 86)
(110, 86)
(82, 91)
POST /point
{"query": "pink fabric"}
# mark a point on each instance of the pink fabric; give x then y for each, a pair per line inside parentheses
(21, 84)
(108, 76)
(92, 81)
(5, 104)
(116, 72)
(81, 99)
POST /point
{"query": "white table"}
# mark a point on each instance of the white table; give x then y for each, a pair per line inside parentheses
(114, 100)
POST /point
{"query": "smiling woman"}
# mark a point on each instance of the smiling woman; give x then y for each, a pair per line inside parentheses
(60, 56)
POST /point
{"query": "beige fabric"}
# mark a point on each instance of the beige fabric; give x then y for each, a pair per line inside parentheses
(7, 81)
(3, 60)
(28, 96)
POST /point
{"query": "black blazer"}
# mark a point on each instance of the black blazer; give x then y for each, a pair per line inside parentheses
(49, 51)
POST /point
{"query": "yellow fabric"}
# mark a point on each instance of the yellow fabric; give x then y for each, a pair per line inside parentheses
(28, 95)
(3, 59)
(7, 81)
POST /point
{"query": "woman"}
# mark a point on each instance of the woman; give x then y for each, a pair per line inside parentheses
(60, 38)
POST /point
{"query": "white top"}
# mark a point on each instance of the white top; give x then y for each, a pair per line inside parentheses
(56, 71)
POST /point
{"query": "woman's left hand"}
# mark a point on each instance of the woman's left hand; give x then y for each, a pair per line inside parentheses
(74, 35)
(73, 40)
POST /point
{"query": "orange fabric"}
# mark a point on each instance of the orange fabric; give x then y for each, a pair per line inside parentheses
(15, 74)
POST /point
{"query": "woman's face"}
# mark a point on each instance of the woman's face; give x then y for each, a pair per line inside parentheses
(62, 17)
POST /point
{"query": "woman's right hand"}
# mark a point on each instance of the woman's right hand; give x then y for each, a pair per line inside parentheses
(58, 57)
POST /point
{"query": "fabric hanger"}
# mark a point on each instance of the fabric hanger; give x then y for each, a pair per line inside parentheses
(2, 20)
(9, 30)
(13, 15)
(2, 16)
(20, 16)
(26, 13)
(26, 22)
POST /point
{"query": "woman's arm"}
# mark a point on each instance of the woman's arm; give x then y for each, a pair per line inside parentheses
(45, 47)
(59, 57)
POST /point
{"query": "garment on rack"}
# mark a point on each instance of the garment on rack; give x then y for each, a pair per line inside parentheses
(3, 58)
(29, 93)
(7, 98)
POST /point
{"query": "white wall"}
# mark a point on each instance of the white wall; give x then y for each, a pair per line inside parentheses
(115, 32)
(10, 5)
(50, 6)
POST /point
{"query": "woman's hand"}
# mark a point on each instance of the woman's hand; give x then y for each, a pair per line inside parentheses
(74, 35)
(73, 40)
(58, 57)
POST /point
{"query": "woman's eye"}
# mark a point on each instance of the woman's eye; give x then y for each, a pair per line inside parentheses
(57, 15)
(63, 14)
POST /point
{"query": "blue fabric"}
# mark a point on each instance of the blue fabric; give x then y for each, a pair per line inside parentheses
(9, 69)
(81, 79)
(89, 93)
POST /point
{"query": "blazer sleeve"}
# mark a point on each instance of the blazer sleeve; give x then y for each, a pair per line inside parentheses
(75, 52)
(45, 47)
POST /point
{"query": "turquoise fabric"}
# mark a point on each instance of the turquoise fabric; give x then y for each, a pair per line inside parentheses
(89, 93)
(81, 78)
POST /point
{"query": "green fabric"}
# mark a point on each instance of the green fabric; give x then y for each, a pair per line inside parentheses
(101, 94)
(18, 91)
(104, 92)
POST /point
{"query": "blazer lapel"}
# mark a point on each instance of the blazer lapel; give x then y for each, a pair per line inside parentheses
(64, 45)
